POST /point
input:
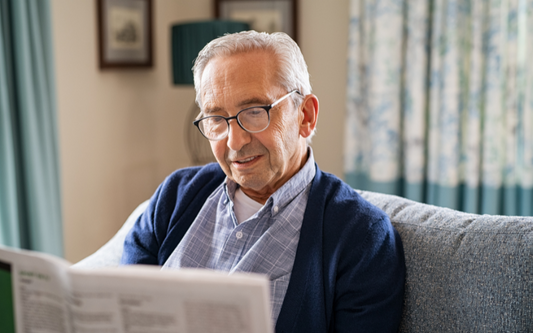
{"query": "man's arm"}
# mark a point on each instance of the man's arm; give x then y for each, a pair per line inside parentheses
(370, 283)
(141, 245)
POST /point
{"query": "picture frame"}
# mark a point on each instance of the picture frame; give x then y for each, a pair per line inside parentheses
(125, 33)
(262, 15)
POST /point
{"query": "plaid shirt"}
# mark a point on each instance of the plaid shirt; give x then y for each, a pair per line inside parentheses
(265, 243)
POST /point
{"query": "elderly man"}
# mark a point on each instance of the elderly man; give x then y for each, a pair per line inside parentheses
(334, 261)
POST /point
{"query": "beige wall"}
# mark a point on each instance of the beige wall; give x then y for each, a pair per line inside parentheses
(324, 43)
(121, 131)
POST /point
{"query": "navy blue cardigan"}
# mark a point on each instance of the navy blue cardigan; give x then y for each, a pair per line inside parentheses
(348, 274)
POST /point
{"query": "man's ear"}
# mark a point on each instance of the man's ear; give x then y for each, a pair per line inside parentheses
(308, 115)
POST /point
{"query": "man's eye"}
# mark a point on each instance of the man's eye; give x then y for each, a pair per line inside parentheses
(254, 112)
(213, 121)
(217, 120)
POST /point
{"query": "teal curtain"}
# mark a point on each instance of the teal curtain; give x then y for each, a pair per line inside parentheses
(440, 102)
(30, 212)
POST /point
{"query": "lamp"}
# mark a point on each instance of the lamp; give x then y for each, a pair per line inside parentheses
(187, 41)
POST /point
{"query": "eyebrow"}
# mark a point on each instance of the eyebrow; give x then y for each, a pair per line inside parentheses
(210, 110)
(254, 101)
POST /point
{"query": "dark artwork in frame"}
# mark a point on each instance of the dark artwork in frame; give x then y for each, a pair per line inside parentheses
(125, 33)
(262, 15)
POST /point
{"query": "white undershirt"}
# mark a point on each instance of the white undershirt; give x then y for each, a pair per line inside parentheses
(244, 206)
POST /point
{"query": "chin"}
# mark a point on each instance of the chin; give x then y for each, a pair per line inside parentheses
(250, 183)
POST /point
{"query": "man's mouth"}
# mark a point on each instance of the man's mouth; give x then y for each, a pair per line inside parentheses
(246, 160)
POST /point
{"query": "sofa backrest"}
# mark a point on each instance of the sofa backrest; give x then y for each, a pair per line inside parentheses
(465, 272)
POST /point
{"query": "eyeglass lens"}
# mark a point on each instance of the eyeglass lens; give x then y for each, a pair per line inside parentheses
(252, 120)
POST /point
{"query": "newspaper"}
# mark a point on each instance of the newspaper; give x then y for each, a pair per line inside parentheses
(42, 293)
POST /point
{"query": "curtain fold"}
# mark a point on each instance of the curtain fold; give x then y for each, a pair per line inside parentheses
(30, 211)
(440, 102)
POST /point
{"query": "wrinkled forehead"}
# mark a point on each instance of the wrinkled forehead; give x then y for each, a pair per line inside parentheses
(238, 73)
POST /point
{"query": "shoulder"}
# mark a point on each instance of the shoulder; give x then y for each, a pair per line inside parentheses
(194, 174)
(340, 199)
(346, 216)
(198, 176)
(185, 187)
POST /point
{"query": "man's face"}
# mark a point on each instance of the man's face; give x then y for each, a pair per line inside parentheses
(261, 162)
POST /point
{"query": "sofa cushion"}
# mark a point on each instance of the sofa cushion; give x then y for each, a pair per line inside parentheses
(465, 272)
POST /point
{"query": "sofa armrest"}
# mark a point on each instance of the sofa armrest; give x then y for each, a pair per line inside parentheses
(109, 255)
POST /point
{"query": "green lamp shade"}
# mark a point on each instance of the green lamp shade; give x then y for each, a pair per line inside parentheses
(189, 38)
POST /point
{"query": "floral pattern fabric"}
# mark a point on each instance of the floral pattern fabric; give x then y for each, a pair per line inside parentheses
(440, 102)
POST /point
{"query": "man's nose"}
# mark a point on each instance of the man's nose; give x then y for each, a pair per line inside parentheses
(237, 137)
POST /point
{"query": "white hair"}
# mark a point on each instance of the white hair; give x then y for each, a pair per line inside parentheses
(292, 73)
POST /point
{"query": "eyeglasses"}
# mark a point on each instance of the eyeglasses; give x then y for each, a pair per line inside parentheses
(254, 119)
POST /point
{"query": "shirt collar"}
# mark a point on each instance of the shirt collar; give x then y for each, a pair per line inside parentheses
(288, 191)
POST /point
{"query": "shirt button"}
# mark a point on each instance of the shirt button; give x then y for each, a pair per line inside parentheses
(276, 209)
(238, 234)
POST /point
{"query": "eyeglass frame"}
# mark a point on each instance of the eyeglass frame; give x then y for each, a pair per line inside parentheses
(267, 108)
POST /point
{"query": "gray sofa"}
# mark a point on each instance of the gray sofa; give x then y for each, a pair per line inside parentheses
(465, 272)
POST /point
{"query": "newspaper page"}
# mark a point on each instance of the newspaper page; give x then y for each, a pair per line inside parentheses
(33, 292)
(40, 293)
(140, 299)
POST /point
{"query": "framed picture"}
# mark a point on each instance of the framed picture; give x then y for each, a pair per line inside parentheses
(262, 15)
(125, 33)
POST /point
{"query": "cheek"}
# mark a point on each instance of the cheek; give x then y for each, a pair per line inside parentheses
(218, 148)
(289, 127)
(283, 136)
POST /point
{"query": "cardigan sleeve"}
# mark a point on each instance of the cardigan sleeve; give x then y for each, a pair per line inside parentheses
(141, 245)
(370, 276)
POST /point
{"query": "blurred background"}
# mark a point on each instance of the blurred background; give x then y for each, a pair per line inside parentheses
(431, 100)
